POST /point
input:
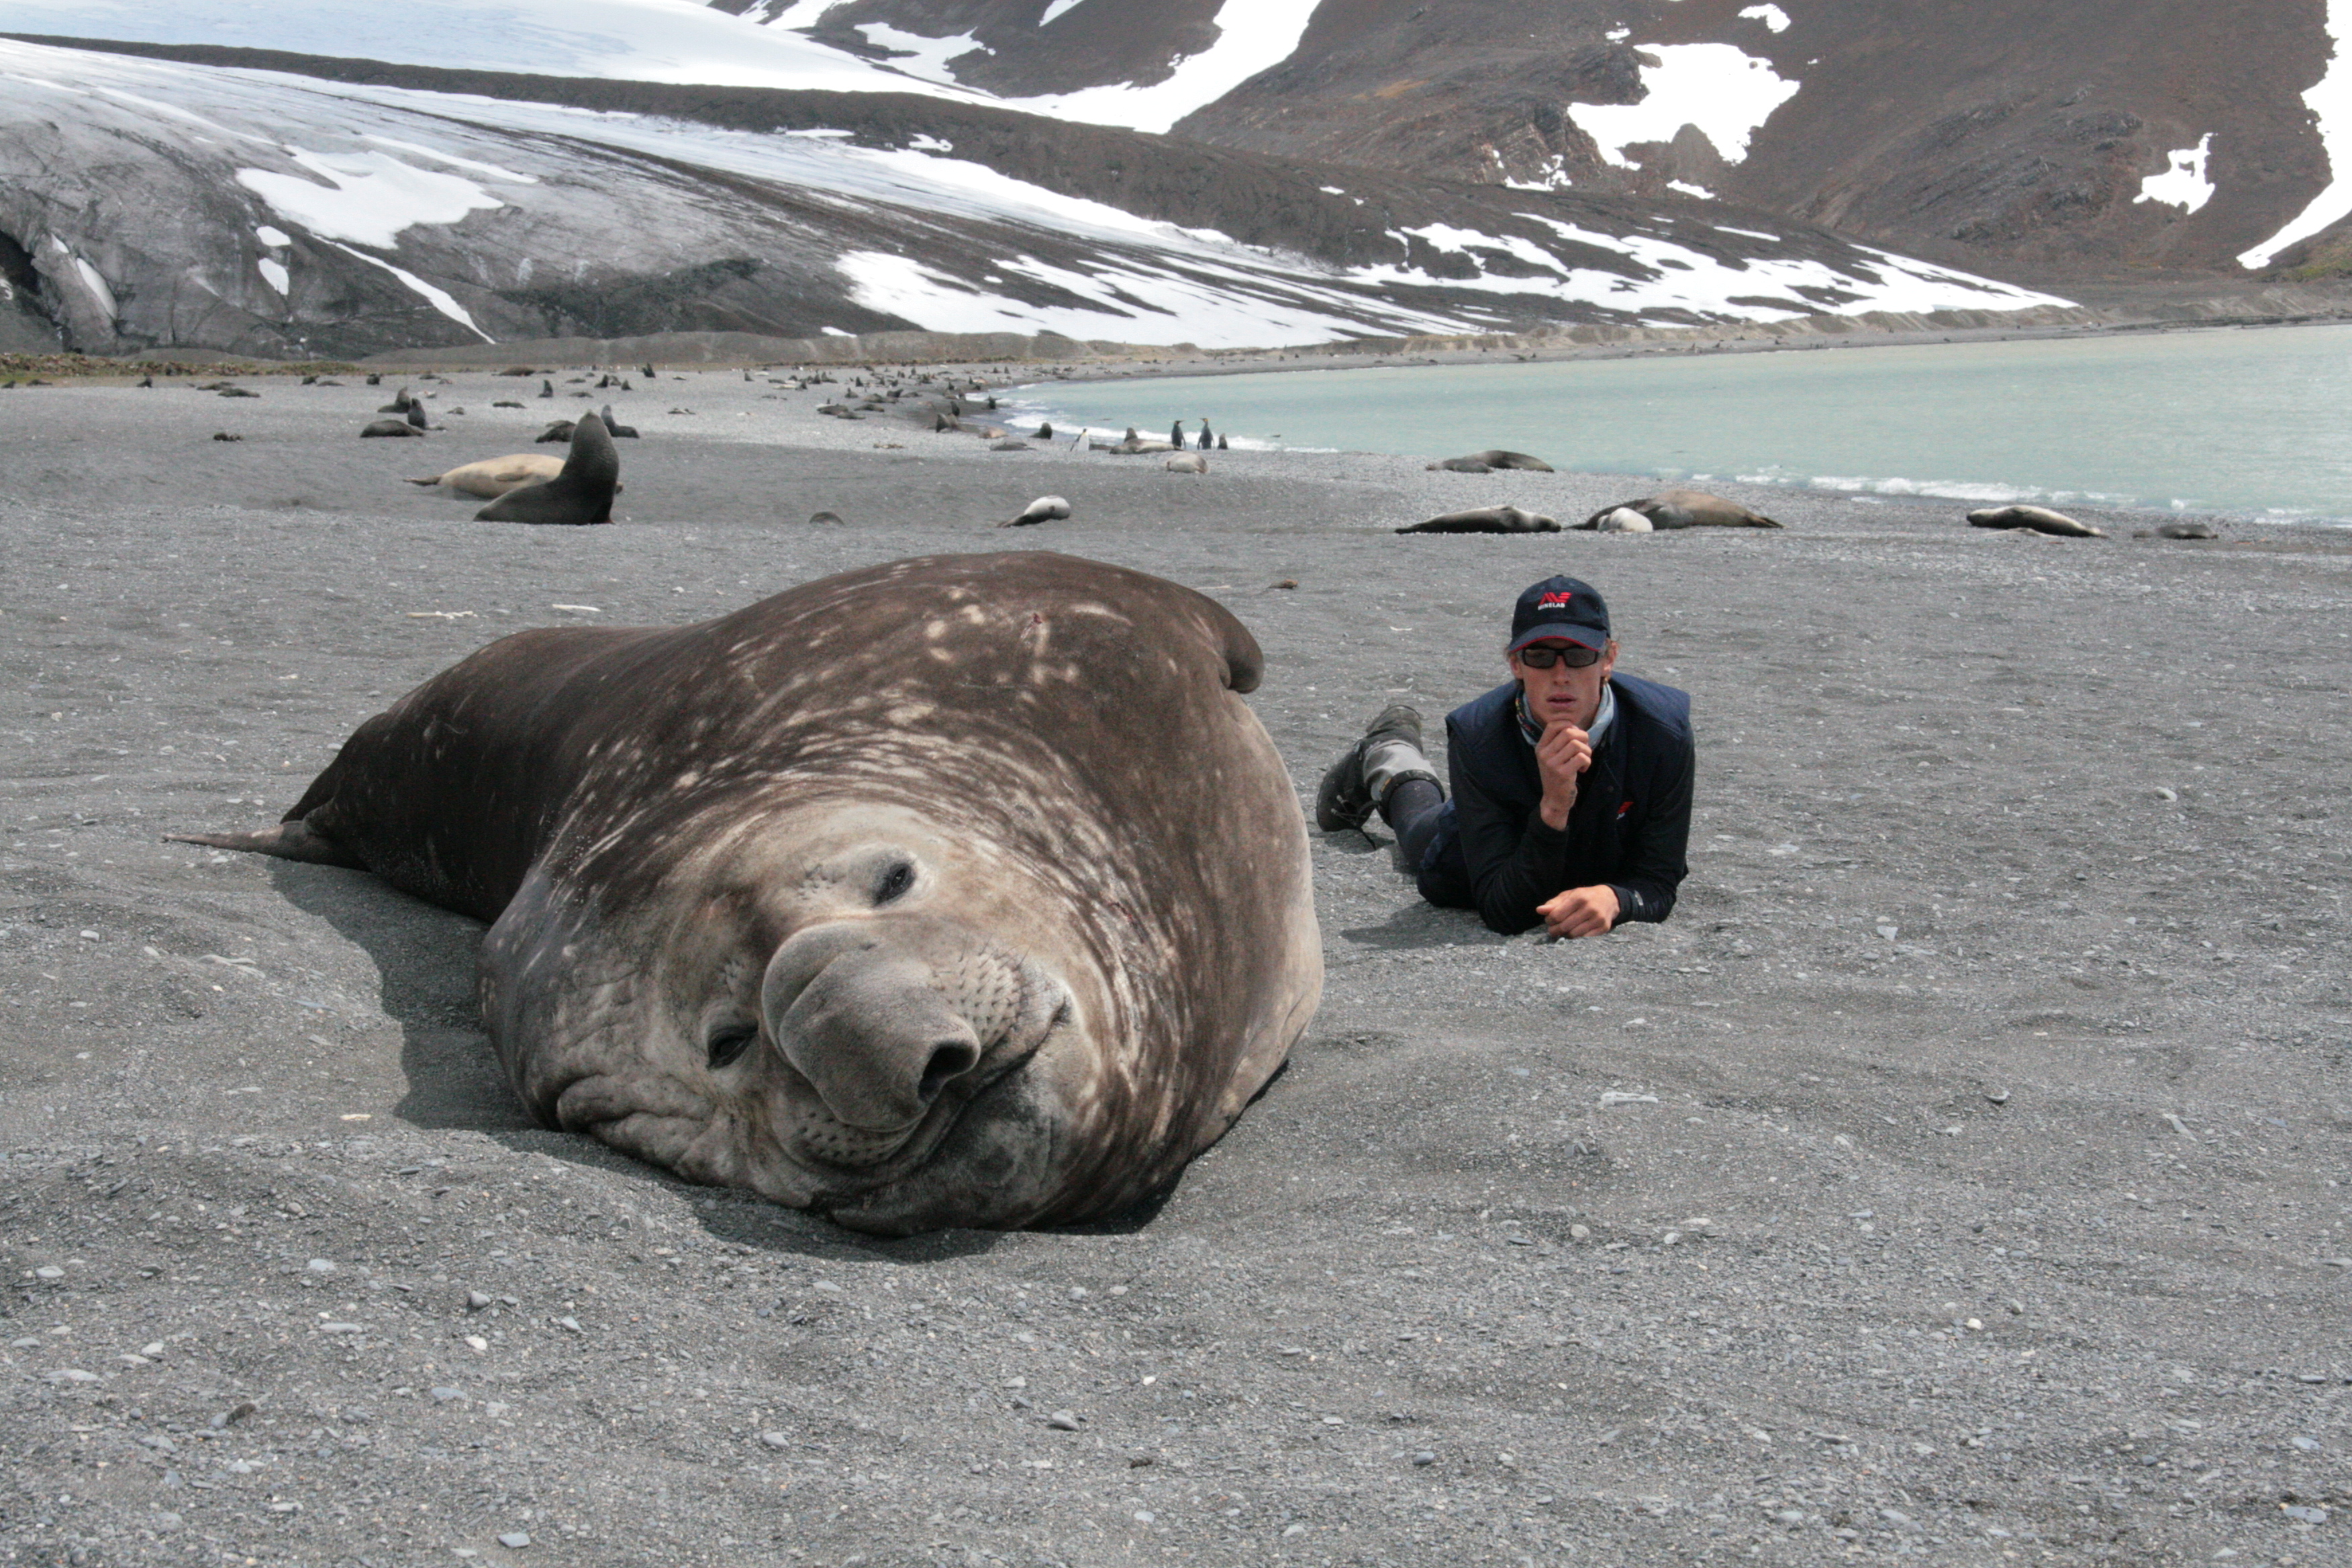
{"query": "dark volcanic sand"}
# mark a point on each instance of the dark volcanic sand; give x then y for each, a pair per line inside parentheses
(1988, 1209)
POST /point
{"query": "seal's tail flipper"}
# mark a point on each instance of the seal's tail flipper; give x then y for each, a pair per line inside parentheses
(288, 841)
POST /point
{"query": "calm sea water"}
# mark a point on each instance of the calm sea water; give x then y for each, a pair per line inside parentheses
(2252, 423)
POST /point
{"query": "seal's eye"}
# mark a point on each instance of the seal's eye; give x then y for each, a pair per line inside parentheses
(894, 883)
(728, 1041)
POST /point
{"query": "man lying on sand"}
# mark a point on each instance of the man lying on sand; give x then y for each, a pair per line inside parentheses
(1571, 784)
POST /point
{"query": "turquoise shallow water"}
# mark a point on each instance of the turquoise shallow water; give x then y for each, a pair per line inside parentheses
(2248, 423)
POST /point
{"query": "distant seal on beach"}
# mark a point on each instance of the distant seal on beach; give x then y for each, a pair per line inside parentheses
(493, 476)
(390, 428)
(2040, 519)
(1010, 444)
(1687, 508)
(580, 492)
(2185, 531)
(615, 429)
(1496, 458)
(1459, 465)
(560, 430)
(1485, 519)
(1044, 509)
(881, 910)
(1623, 519)
(825, 517)
(1186, 463)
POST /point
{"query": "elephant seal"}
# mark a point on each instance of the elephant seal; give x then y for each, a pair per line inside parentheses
(1687, 508)
(1044, 509)
(2040, 519)
(1485, 519)
(494, 477)
(1624, 519)
(580, 492)
(1186, 463)
(390, 428)
(2185, 531)
(963, 890)
(1496, 458)
(1459, 465)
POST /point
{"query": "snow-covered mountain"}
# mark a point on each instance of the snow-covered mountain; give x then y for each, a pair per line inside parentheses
(357, 207)
(2081, 138)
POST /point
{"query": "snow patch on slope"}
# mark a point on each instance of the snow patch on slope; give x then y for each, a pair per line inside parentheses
(1055, 9)
(1253, 36)
(364, 198)
(2330, 101)
(439, 298)
(1726, 94)
(2183, 183)
(917, 55)
(1771, 16)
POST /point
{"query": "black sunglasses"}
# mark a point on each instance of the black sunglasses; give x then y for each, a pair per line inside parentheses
(1538, 656)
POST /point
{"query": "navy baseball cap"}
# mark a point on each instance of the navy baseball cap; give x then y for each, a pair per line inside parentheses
(1564, 607)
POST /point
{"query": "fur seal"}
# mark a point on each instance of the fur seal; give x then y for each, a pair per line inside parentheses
(580, 492)
(1010, 444)
(1687, 508)
(400, 402)
(1186, 463)
(494, 477)
(2040, 519)
(963, 890)
(1624, 519)
(1045, 431)
(615, 429)
(825, 517)
(1485, 519)
(560, 430)
(547, 389)
(1044, 509)
(390, 428)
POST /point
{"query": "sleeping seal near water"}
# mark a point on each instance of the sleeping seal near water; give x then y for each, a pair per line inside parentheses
(963, 890)
(581, 490)
(494, 477)
(1687, 508)
(1496, 458)
(1623, 519)
(2040, 519)
(1485, 519)
(390, 428)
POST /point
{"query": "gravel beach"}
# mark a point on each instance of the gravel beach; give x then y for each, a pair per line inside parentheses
(1957, 1176)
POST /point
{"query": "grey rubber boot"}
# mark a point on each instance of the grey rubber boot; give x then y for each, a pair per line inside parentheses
(1354, 786)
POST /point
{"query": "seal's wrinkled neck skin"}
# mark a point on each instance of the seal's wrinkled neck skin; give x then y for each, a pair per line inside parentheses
(820, 1018)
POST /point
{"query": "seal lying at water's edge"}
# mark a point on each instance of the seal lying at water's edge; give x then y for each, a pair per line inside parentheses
(1623, 519)
(1186, 463)
(494, 477)
(2040, 519)
(580, 492)
(1485, 519)
(1496, 458)
(1687, 508)
(963, 890)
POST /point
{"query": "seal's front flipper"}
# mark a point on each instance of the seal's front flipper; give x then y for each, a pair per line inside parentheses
(289, 841)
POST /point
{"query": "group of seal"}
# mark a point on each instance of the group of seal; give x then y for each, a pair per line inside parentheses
(963, 890)
(1676, 509)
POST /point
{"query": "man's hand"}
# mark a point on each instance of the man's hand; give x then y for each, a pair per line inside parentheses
(1562, 753)
(1579, 912)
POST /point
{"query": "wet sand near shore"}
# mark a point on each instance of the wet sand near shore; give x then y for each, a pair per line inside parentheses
(1958, 1175)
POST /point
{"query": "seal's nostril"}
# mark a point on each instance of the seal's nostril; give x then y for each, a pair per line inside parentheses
(950, 1059)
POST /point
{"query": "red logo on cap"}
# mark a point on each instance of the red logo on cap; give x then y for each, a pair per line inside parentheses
(1553, 600)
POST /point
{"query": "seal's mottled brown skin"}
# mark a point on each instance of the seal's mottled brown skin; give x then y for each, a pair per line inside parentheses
(1006, 806)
